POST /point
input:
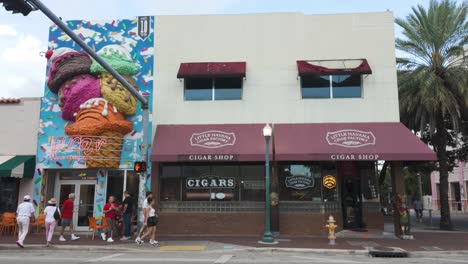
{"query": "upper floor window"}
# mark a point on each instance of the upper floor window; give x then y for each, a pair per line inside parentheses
(332, 78)
(212, 80)
(198, 89)
(331, 86)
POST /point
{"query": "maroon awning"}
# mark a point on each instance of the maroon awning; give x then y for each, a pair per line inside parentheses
(209, 143)
(349, 141)
(211, 69)
(336, 67)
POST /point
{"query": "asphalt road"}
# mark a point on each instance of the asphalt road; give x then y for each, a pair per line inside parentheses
(27, 257)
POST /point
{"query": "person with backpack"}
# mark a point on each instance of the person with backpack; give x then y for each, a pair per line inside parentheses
(52, 216)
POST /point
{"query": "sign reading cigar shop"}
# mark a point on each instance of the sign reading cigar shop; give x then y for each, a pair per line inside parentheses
(213, 139)
(208, 157)
(299, 182)
(350, 138)
(210, 181)
(354, 156)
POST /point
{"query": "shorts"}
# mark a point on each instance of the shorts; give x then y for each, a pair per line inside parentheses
(152, 221)
(66, 222)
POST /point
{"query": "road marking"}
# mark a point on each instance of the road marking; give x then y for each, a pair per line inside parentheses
(182, 248)
(223, 259)
(105, 258)
(448, 260)
(330, 260)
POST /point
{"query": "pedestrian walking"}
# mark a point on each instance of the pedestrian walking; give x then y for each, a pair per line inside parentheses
(151, 222)
(52, 215)
(418, 208)
(149, 195)
(110, 210)
(127, 213)
(67, 217)
(25, 214)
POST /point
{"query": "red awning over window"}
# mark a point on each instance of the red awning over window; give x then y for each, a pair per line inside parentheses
(212, 69)
(333, 67)
(209, 143)
(349, 141)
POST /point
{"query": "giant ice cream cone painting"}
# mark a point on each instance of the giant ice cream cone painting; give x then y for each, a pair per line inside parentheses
(88, 119)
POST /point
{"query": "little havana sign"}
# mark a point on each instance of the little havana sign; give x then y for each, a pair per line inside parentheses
(210, 181)
(213, 139)
(350, 138)
(299, 182)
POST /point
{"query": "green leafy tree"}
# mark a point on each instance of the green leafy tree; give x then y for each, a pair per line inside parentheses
(432, 79)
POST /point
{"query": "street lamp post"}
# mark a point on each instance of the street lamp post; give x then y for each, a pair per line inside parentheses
(267, 236)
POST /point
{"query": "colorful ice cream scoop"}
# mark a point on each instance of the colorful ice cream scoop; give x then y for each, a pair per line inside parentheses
(118, 58)
(75, 92)
(114, 92)
(65, 64)
(99, 130)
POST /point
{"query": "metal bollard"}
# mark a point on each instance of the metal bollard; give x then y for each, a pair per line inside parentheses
(331, 230)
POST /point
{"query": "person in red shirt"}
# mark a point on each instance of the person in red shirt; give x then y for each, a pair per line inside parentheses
(67, 217)
(110, 210)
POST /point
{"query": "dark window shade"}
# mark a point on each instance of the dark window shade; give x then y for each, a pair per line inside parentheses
(315, 86)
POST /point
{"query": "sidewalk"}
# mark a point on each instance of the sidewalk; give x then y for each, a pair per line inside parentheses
(424, 241)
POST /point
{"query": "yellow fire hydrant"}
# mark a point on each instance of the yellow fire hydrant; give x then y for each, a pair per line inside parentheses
(331, 230)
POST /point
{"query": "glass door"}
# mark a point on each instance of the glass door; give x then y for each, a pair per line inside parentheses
(84, 201)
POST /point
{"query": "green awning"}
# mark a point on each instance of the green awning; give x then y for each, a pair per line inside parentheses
(20, 166)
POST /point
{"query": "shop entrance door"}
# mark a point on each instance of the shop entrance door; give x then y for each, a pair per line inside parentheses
(84, 201)
(351, 197)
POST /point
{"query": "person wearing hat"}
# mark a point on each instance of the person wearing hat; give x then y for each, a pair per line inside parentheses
(24, 215)
(52, 215)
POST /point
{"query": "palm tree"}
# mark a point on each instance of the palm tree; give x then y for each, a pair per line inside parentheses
(432, 79)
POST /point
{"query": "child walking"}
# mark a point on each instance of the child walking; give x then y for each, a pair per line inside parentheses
(151, 222)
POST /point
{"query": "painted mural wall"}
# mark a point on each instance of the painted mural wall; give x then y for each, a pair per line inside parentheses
(87, 119)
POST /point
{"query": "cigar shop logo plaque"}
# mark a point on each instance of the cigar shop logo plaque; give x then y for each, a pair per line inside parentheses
(350, 138)
(213, 139)
(299, 182)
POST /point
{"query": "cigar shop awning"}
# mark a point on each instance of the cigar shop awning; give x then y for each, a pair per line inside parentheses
(333, 67)
(209, 143)
(349, 141)
(212, 70)
(21, 166)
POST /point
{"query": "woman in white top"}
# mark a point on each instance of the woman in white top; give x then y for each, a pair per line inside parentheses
(151, 222)
(50, 221)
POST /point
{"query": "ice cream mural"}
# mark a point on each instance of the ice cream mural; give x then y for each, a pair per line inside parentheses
(88, 119)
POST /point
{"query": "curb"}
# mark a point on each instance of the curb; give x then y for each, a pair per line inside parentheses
(311, 250)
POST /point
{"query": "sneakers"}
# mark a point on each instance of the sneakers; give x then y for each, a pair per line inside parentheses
(19, 244)
(154, 243)
(73, 237)
(137, 240)
(125, 238)
(103, 236)
(110, 239)
(62, 239)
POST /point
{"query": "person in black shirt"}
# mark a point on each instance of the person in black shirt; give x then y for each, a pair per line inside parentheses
(127, 212)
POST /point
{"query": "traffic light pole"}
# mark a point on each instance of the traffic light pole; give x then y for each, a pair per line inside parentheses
(143, 99)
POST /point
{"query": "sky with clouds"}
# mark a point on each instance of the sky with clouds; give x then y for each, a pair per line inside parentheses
(22, 39)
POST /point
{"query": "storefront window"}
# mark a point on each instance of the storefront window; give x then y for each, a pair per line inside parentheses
(9, 187)
(212, 183)
(119, 181)
(303, 182)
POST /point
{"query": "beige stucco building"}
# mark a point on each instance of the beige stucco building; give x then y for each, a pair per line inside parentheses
(20, 120)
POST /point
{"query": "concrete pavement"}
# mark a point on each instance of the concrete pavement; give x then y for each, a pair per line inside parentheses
(51, 256)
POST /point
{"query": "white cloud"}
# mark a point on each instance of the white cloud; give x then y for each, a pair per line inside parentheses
(7, 30)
